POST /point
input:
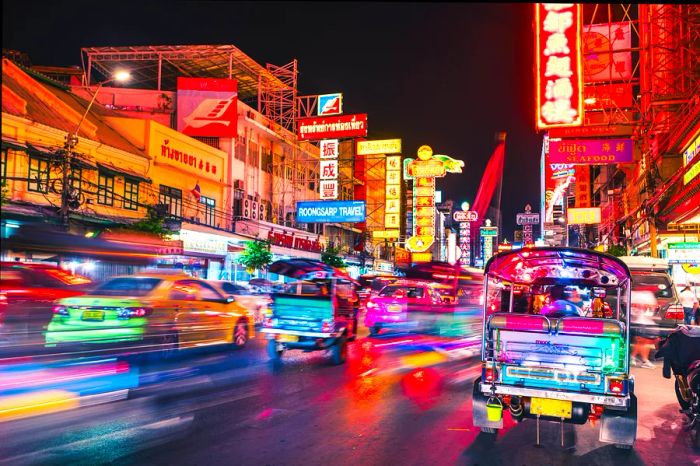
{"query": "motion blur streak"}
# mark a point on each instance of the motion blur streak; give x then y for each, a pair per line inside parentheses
(34, 403)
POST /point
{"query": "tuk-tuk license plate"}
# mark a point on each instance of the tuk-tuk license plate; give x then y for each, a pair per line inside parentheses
(288, 338)
(93, 315)
(553, 408)
(394, 308)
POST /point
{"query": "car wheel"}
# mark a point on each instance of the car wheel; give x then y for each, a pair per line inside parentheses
(240, 334)
(354, 331)
(339, 351)
(274, 354)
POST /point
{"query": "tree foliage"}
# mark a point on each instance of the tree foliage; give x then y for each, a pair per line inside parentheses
(256, 255)
(154, 223)
(617, 250)
(330, 256)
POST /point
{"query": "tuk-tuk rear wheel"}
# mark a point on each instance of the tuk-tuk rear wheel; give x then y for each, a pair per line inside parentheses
(489, 430)
(339, 351)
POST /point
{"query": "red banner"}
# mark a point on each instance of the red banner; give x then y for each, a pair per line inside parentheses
(343, 126)
(207, 107)
(558, 65)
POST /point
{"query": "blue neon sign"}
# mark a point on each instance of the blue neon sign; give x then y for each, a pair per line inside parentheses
(330, 211)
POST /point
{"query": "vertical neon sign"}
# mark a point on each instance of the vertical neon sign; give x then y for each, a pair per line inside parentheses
(559, 65)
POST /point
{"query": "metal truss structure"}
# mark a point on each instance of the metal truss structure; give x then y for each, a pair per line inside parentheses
(272, 89)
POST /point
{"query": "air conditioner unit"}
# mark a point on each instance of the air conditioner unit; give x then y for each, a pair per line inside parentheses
(254, 211)
(246, 208)
(261, 212)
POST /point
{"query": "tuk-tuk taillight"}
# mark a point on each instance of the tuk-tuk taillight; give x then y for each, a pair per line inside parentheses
(490, 374)
(326, 327)
(675, 311)
(616, 385)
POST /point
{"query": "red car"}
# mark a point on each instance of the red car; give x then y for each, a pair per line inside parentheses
(27, 293)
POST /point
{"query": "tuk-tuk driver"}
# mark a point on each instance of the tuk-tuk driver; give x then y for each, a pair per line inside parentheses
(564, 303)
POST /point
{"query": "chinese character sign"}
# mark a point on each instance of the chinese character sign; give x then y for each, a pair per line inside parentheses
(328, 174)
(590, 151)
(559, 65)
(392, 206)
(423, 171)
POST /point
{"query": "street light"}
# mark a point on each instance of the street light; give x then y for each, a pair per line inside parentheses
(72, 141)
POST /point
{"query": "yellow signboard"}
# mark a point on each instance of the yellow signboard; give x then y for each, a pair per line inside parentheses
(385, 234)
(421, 256)
(384, 146)
(583, 215)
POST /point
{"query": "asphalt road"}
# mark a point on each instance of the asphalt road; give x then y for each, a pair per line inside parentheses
(236, 408)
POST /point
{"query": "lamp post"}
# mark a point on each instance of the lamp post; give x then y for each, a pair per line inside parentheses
(72, 142)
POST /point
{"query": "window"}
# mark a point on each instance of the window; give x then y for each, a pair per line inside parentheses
(253, 155)
(240, 151)
(289, 173)
(131, 194)
(209, 140)
(312, 180)
(209, 205)
(266, 161)
(105, 189)
(38, 175)
(172, 197)
(128, 286)
(3, 168)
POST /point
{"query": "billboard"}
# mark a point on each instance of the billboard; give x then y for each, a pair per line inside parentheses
(583, 216)
(384, 146)
(207, 107)
(330, 211)
(607, 54)
(559, 74)
(342, 126)
(392, 205)
(590, 151)
(330, 104)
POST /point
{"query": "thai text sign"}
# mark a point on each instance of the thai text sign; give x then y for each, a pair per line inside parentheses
(583, 216)
(527, 219)
(690, 158)
(385, 234)
(207, 107)
(465, 216)
(169, 147)
(384, 146)
(489, 231)
(590, 151)
(558, 65)
(330, 211)
(343, 126)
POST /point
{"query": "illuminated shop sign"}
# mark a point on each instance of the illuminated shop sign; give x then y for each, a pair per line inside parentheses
(343, 126)
(422, 172)
(330, 211)
(690, 158)
(185, 155)
(558, 65)
(330, 104)
(583, 216)
(385, 234)
(329, 149)
(392, 206)
(286, 240)
(384, 146)
(207, 107)
(488, 233)
(195, 241)
(590, 151)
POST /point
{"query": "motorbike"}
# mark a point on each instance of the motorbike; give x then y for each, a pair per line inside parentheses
(681, 354)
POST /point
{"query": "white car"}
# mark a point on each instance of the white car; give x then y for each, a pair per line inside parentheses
(255, 303)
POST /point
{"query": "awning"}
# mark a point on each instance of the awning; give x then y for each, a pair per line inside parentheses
(683, 205)
(125, 172)
(8, 143)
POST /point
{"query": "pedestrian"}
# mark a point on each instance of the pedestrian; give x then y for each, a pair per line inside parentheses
(643, 336)
(690, 303)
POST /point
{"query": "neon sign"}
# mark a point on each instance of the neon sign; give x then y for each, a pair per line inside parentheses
(422, 172)
(558, 64)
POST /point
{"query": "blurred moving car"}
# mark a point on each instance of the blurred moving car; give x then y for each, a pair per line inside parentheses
(651, 275)
(162, 310)
(257, 303)
(391, 307)
(27, 293)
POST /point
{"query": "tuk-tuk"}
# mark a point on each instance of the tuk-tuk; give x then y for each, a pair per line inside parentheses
(547, 351)
(316, 312)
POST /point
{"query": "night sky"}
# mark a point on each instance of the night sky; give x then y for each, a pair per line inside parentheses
(445, 74)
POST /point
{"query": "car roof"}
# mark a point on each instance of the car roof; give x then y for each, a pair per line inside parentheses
(410, 283)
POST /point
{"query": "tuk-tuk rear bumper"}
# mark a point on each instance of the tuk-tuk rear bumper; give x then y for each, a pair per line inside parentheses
(277, 331)
(619, 402)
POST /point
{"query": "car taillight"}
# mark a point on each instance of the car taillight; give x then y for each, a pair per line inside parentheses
(326, 327)
(130, 312)
(490, 374)
(371, 305)
(616, 385)
(60, 310)
(675, 311)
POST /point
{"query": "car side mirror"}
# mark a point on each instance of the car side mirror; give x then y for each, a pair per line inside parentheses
(230, 299)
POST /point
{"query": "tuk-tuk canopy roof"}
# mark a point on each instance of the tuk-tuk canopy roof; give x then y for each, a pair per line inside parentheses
(307, 269)
(531, 265)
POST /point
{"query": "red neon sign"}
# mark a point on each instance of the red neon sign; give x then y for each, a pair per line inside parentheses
(559, 65)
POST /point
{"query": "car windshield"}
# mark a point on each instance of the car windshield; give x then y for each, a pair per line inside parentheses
(397, 291)
(127, 286)
(658, 283)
